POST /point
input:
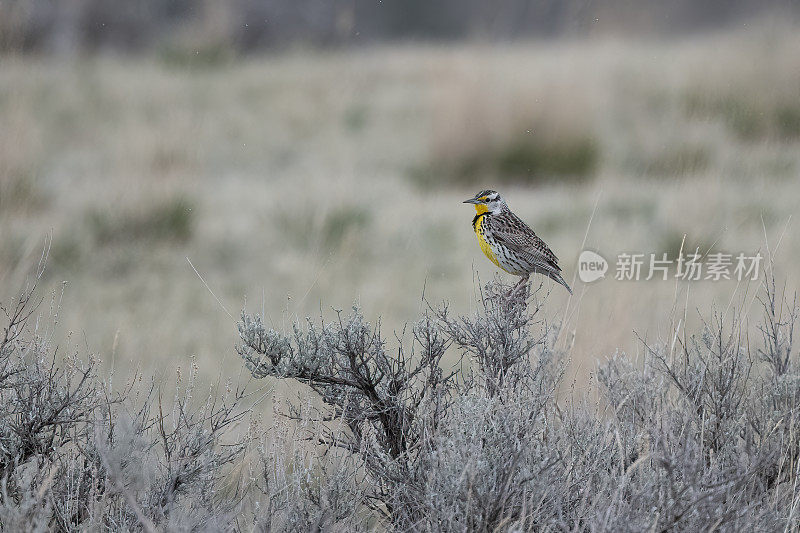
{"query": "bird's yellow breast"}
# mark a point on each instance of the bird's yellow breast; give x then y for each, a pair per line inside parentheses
(486, 247)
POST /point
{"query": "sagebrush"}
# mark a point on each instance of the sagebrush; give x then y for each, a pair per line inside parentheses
(698, 436)
(701, 436)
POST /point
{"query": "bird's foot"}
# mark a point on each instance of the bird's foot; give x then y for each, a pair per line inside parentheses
(520, 285)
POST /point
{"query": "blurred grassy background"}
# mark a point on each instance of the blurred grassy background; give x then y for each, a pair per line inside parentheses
(305, 180)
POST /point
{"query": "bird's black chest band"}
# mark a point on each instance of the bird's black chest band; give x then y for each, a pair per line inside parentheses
(476, 220)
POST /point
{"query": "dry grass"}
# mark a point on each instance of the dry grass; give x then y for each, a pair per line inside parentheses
(301, 171)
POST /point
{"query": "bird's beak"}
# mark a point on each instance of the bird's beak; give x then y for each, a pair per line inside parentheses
(472, 201)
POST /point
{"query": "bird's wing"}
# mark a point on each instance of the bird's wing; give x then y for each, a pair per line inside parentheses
(518, 236)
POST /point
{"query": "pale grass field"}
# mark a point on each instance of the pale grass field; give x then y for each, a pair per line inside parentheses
(299, 173)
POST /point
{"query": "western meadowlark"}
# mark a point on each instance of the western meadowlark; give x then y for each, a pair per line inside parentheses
(510, 243)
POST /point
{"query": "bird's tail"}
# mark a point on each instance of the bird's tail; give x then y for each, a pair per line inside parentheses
(555, 276)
